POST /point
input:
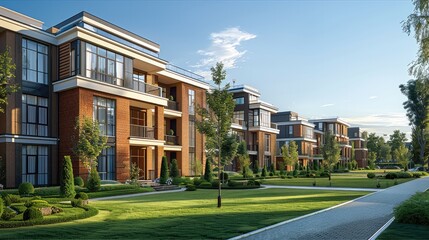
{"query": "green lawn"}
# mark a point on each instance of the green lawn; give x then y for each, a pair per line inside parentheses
(189, 215)
(405, 231)
(338, 180)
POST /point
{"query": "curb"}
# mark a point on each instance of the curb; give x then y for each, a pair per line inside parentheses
(379, 231)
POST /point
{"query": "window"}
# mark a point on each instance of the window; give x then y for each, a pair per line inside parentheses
(34, 115)
(106, 164)
(239, 115)
(320, 126)
(308, 132)
(265, 118)
(35, 164)
(267, 139)
(191, 101)
(239, 100)
(139, 81)
(104, 113)
(355, 134)
(252, 98)
(34, 62)
(104, 65)
(331, 127)
(290, 130)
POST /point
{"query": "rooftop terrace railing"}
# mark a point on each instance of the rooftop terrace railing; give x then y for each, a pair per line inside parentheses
(185, 72)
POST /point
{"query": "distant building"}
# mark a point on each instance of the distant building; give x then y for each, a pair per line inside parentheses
(252, 123)
(300, 130)
(358, 141)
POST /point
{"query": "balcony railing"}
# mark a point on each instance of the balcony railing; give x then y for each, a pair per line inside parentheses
(253, 147)
(173, 105)
(184, 72)
(171, 140)
(148, 88)
(274, 125)
(140, 131)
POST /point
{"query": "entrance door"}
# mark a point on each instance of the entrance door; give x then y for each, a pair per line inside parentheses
(138, 156)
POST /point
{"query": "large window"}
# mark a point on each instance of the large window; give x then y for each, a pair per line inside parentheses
(308, 132)
(139, 81)
(35, 164)
(34, 116)
(106, 164)
(34, 62)
(267, 140)
(239, 101)
(104, 113)
(104, 65)
(191, 102)
(265, 118)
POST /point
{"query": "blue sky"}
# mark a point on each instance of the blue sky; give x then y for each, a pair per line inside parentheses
(317, 58)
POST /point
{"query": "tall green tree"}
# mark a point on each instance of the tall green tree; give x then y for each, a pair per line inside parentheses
(373, 143)
(215, 118)
(229, 149)
(174, 169)
(243, 158)
(372, 157)
(330, 151)
(67, 181)
(290, 154)
(7, 70)
(417, 93)
(397, 139)
(90, 143)
(385, 150)
(402, 156)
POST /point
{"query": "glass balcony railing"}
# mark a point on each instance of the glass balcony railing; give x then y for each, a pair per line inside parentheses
(184, 72)
(140, 131)
(171, 140)
(238, 121)
(173, 105)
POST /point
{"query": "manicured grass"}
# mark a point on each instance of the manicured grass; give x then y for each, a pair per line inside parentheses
(405, 231)
(337, 181)
(189, 215)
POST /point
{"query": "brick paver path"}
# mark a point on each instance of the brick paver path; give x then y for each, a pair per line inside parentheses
(359, 219)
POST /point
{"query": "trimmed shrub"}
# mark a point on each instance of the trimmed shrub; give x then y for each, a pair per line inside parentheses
(264, 172)
(250, 182)
(67, 181)
(370, 175)
(76, 202)
(404, 175)
(257, 183)
(78, 181)
(94, 182)
(37, 203)
(32, 213)
(271, 174)
(82, 196)
(208, 175)
(6, 198)
(177, 181)
(174, 170)
(191, 187)
(324, 174)
(215, 183)
(391, 175)
(414, 210)
(224, 177)
(197, 181)
(205, 184)
(164, 171)
(8, 214)
(25, 189)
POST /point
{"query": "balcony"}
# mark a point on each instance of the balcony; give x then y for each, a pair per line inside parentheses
(173, 105)
(148, 88)
(139, 131)
(171, 140)
(237, 121)
(274, 125)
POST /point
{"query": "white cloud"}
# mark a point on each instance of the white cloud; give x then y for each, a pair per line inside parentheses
(373, 97)
(382, 124)
(223, 48)
(327, 105)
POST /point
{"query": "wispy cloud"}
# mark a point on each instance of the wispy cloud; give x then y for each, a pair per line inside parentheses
(223, 48)
(327, 105)
(373, 97)
(382, 124)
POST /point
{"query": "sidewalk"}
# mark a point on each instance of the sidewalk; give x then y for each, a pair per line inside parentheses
(134, 195)
(358, 219)
(327, 188)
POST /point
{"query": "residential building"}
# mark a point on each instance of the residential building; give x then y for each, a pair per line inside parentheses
(86, 66)
(358, 142)
(297, 129)
(338, 128)
(252, 123)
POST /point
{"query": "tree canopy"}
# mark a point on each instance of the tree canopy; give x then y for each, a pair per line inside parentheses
(7, 70)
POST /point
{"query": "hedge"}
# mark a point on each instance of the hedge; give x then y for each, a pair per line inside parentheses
(89, 212)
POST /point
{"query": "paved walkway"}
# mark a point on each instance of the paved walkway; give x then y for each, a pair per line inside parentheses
(327, 188)
(135, 195)
(358, 219)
